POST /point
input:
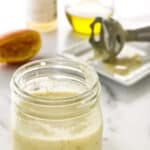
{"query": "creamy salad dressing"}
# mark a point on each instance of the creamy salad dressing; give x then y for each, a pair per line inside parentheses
(77, 133)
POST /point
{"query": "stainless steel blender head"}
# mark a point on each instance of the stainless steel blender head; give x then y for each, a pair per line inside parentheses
(112, 37)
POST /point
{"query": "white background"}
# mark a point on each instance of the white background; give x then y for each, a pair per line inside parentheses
(12, 12)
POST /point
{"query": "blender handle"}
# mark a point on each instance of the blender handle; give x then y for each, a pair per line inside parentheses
(140, 34)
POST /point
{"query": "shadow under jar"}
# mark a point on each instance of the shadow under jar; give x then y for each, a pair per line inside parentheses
(55, 106)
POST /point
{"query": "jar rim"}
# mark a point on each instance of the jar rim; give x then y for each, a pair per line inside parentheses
(43, 63)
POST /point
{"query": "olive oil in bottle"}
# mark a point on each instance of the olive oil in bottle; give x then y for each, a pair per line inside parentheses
(80, 15)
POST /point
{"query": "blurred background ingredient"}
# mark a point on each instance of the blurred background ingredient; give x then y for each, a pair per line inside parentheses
(19, 46)
(81, 13)
(41, 14)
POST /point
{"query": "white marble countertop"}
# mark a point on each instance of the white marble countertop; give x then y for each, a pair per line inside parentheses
(126, 110)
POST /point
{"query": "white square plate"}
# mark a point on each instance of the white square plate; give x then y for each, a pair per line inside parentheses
(84, 51)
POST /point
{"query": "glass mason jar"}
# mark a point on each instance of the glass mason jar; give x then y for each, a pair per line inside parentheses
(41, 14)
(81, 13)
(55, 106)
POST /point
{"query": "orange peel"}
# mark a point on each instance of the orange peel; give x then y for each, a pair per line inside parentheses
(19, 46)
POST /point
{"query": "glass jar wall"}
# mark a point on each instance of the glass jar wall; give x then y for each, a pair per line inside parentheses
(55, 105)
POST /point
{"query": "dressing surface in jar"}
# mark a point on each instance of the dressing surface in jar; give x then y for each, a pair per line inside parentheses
(55, 106)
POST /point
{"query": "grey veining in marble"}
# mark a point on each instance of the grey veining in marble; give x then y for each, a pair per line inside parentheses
(126, 115)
